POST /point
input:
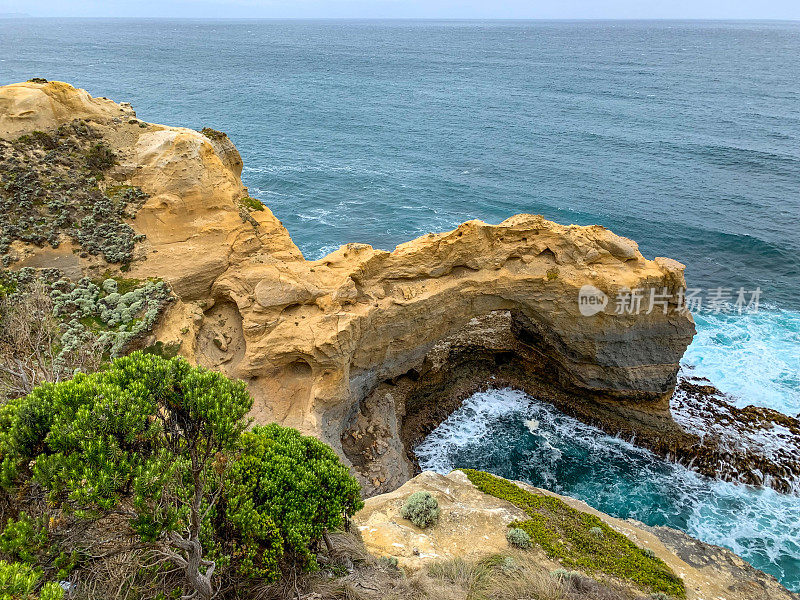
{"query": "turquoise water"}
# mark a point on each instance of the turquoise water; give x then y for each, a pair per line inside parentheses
(684, 136)
(510, 434)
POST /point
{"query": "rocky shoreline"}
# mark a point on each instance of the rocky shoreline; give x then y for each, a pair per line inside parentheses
(366, 349)
(701, 429)
(369, 349)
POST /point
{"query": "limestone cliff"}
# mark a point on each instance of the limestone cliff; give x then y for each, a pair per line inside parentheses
(192, 219)
(366, 348)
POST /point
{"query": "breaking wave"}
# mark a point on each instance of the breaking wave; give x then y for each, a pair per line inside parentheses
(511, 434)
(753, 357)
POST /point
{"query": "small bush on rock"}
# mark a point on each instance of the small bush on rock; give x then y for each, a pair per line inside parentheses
(213, 134)
(100, 157)
(388, 562)
(565, 575)
(518, 538)
(421, 509)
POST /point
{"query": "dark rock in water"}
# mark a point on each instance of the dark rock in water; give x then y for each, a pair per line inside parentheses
(753, 445)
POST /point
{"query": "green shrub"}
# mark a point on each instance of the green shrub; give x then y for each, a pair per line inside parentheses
(213, 134)
(290, 485)
(23, 538)
(251, 204)
(422, 509)
(149, 431)
(19, 582)
(518, 538)
(163, 444)
(388, 562)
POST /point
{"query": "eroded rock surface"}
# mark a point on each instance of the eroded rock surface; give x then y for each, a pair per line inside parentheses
(366, 348)
(472, 526)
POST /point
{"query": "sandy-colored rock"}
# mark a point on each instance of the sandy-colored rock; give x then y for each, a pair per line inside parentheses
(192, 220)
(26, 107)
(327, 345)
(472, 526)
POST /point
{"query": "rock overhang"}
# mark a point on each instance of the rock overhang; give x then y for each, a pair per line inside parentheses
(315, 339)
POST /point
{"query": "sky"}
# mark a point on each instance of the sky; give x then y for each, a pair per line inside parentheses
(450, 9)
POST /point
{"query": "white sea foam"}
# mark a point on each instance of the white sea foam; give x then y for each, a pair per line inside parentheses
(322, 252)
(320, 215)
(494, 431)
(470, 423)
(754, 357)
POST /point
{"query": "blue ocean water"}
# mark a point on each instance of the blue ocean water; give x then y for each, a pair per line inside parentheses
(510, 434)
(684, 136)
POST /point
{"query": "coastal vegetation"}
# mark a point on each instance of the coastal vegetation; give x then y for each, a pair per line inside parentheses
(148, 461)
(51, 326)
(518, 538)
(421, 509)
(52, 189)
(570, 537)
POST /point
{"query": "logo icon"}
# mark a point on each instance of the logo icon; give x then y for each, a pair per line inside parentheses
(591, 300)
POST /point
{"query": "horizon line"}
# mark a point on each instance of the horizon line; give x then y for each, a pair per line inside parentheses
(23, 16)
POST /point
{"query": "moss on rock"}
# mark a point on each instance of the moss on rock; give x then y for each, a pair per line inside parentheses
(569, 536)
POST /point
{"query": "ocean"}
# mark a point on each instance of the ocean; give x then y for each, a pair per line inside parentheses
(684, 136)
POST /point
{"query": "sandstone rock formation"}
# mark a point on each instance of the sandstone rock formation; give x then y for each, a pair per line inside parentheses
(365, 348)
(472, 526)
(192, 220)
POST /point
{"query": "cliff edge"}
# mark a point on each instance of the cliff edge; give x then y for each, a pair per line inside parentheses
(364, 348)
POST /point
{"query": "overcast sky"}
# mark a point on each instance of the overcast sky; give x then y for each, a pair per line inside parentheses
(498, 9)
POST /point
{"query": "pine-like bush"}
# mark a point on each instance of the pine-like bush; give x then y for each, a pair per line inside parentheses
(164, 444)
(19, 582)
(149, 432)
